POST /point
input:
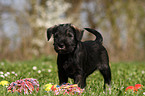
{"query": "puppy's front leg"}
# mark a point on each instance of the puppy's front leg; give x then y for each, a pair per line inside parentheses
(62, 77)
(80, 80)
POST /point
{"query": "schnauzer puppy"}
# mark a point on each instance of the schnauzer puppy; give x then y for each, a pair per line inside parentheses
(77, 59)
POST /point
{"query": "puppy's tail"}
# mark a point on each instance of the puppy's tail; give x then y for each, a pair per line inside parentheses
(99, 37)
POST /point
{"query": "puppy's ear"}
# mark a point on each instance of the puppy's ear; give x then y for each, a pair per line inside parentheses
(50, 31)
(78, 32)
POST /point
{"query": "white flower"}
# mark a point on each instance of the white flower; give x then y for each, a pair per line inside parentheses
(143, 72)
(13, 72)
(34, 68)
(2, 63)
(8, 73)
(16, 75)
(5, 75)
(143, 93)
(2, 76)
(1, 72)
(39, 71)
(49, 70)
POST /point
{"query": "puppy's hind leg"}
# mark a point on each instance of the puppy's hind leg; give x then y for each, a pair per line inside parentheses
(106, 72)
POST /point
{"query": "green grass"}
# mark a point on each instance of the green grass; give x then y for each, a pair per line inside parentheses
(123, 74)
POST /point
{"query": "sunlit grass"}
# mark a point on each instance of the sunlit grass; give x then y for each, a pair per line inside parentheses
(45, 71)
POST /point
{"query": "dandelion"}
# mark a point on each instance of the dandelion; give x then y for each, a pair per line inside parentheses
(1, 72)
(34, 68)
(39, 71)
(49, 70)
(2, 76)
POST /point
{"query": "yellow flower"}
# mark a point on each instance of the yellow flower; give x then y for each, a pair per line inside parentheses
(4, 83)
(48, 87)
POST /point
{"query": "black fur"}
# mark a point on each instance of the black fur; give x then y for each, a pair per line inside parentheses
(77, 59)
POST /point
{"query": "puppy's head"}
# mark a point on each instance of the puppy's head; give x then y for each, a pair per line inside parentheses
(66, 37)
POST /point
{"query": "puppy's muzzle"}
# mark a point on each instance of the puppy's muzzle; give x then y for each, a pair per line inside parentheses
(61, 47)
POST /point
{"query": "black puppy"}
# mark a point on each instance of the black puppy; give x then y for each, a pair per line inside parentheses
(77, 59)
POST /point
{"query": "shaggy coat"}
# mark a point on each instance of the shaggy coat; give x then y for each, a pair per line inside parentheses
(77, 59)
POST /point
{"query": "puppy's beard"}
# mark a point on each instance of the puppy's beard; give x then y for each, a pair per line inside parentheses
(65, 51)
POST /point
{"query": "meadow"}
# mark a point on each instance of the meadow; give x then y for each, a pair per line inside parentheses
(124, 74)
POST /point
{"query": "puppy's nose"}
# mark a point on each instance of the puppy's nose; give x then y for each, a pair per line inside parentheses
(61, 46)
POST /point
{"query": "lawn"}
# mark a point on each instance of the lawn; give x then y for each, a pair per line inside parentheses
(124, 74)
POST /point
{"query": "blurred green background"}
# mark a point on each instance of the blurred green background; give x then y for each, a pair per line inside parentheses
(23, 24)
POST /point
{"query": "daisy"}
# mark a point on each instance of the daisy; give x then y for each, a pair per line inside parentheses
(8, 73)
(34, 68)
(39, 71)
(5, 75)
(49, 70)
(13, 72)
(2, 76)
(1, 72)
